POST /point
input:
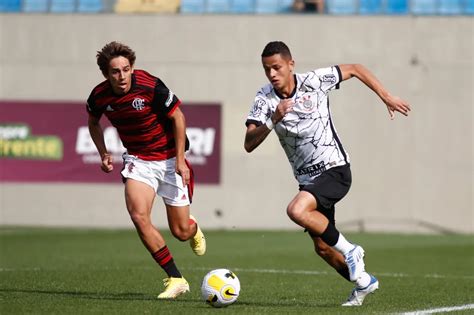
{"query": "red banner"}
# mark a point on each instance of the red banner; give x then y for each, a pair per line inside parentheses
(50, 142)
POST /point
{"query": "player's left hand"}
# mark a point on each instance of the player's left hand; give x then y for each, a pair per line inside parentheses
(183, 170)
(396, 104)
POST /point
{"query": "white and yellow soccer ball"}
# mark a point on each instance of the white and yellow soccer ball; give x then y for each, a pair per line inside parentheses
(220, 287)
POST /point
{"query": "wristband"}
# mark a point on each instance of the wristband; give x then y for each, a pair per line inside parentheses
(269, 124)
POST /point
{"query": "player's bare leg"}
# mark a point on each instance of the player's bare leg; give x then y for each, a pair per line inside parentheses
(302, 210)
(364, 284)
(139, 199)
(178, 221)
(184, 227)
(330, 255)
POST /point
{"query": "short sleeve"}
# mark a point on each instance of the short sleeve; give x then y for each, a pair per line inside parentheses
(329, 78)
(164, 99)
(259, 112)
(92, 108)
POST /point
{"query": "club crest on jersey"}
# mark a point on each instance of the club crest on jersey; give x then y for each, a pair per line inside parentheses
(138, 103)
(307, 103)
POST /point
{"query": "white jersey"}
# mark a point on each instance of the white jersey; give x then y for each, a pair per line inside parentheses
(307, 133)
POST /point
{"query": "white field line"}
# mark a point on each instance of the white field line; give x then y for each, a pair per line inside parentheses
(441, 310)
(258, 270)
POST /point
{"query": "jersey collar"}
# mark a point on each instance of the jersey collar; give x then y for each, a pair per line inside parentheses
(292, 92)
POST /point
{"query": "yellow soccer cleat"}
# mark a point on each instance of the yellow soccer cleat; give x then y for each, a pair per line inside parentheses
(198, 242)
(174, 287)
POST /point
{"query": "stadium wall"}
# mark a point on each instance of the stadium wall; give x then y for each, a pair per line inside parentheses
(411, 175)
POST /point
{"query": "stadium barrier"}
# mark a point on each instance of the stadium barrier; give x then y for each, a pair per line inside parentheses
(331, 7)
(406, 172)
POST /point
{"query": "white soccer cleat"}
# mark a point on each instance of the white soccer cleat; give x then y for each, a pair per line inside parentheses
(198, 241)
(174, 287)
(358, 294)
(355, 262)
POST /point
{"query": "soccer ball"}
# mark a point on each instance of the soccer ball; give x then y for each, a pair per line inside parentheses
(220, 287)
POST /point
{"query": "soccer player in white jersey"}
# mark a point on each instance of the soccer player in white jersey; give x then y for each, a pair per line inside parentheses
(296, 105)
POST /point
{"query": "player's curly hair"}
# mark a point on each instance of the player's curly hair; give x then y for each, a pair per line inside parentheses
(277, 47)
(111, 51)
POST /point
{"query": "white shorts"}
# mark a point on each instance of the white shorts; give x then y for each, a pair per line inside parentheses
(161, 176)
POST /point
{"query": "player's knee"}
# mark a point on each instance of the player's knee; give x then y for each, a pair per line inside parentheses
(182, 233)
(139, 220)
(295, 212)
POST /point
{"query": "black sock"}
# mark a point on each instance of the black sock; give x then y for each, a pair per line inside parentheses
(165, 260)
(330, 235)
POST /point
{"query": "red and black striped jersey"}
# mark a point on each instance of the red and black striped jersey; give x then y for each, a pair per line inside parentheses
(140, 116)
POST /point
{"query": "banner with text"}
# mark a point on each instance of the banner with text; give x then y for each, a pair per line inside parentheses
(50, 142)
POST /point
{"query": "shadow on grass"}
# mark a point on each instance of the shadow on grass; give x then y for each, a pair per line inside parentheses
(291, 304)
(87, 295)
(130, 296)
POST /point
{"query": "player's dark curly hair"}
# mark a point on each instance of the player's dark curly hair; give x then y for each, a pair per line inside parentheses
(111, 51)
(277, 47)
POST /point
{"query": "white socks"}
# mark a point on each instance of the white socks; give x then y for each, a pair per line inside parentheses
(363, 281)
(343, 246)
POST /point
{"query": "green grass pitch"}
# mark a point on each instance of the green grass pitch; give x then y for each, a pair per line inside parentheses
(73, 271)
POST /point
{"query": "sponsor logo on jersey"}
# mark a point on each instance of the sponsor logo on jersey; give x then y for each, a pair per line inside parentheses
(329, 78)
(313, 170)
(138, 103)
(257, 108)
(169, 99)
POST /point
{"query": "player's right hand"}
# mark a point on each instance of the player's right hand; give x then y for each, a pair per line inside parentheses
(107, 163)
(284, 107)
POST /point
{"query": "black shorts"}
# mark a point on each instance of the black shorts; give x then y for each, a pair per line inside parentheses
(330, 187)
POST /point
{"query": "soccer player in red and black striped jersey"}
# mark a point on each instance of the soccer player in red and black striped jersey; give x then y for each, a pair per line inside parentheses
(152, 128)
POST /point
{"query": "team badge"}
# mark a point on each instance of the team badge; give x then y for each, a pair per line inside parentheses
(307, 103)
(138, 103)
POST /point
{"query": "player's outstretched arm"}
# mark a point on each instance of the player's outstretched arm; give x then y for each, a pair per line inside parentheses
(393, 103)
